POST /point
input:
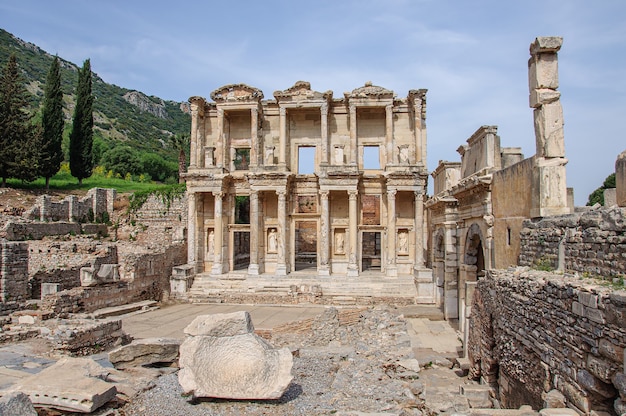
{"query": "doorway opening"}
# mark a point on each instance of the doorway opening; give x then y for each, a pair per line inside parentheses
(370, 251)
(306, 245)
(241, 250)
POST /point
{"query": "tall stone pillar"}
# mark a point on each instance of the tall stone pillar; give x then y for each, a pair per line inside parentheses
(253, 267)
(353, 267)
(281, 266)
(353, 136)
(324, 133)
(282, 146)
(389, 140)
(549, 185)
(193, 140)
(218, 235)
(451, 284)
(392, 268)
(620, 179)
(324, 268)
(419, 232)
(254, 137)
(219, 146)
(192, 230)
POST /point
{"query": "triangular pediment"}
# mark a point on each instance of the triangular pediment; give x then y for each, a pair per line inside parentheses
(236, 93)
(301, 91)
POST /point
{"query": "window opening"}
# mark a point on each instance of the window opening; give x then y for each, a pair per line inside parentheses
(371, 157)
(306, 160)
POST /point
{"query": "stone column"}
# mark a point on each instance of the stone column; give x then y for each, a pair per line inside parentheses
(353, 136)
(192, 232)
(620, 179)
(254, 137)
(282, 146)
(253, 267)
(419, 232)
(324, 133)
(451, 284)
(281, 266)
(219, 146)
(218, 236)
(392, 269)
(389, 140)
(324, 268)
(353, 267)
(193, 140)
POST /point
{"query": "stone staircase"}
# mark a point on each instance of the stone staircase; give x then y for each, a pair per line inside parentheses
(369, 288)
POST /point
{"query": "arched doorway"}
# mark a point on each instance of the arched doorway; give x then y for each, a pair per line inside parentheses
(474, 253)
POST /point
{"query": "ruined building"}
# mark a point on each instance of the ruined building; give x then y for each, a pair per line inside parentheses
(309, 185)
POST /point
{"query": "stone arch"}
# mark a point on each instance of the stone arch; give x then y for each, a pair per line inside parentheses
(474, 253)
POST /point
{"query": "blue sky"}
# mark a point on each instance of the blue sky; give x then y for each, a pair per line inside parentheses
(471, 56)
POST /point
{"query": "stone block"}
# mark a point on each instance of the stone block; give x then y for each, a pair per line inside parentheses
(546, 44)
(591, 383)
(578, 309)
(620, 179)
(144, 352)
(16, 404)
(554, 399)
(543, 72)
(588, 299)
(610, 197)
(558, 412)
(49, 289)
(541, 96)
(610, 350)
(221, 325)
(549, 130)
(71, 384)
(619, 381)
(601, 368)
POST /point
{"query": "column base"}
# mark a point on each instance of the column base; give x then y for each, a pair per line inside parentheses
(253, 269)
(217, 270)
(323, 271)
(392, 271)
(353, 272)
(281, 270)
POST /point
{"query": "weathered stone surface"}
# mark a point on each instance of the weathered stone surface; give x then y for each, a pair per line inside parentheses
(72, 384)
(620, 179)
(221, 325)
(238, 365)
(619, 381)
(145, 351)
(558, 412)
(16, 404)
(554, 399)
(620, 406)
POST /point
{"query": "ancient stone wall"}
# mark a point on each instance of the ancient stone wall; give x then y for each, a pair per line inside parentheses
(20, 231)
(620, 179)
(13, 271)
(532, 332)
(92, 207)
(592, 242)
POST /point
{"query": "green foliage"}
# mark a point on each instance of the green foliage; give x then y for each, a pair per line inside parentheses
(158, 168)
(597, 196)
(51, 152)
(122, 160)
(166, 193)
(543, 264)
(81, 137)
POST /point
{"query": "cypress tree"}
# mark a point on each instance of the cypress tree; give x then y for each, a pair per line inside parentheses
(81, 137)
(51, 153)
(18, 138)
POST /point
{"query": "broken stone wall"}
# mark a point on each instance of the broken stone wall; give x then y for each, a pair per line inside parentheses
(92, 207)
(20, 231)
(592, 242)
(532, 332)
(13, 271)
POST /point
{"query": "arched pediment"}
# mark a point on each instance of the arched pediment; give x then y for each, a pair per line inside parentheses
(370, 91)
(301, 91)
(236, 92)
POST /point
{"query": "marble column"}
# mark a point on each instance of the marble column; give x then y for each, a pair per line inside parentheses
(324, 268)
(353, 267)
(281, 266)
(353, 136)
(419, 231)
(254, 137)
(219, 146)
(282, 146)
(253, 267)
(389, 140)
(193, 142)
(392, 268)
(324, 133)
(192, 230)
(218, 236)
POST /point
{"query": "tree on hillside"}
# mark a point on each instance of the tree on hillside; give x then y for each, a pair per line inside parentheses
(51, 153)
(81, 136)
(181, 143)
(19, 143)
(597, 196)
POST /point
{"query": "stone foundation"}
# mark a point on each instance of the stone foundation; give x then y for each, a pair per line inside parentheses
(531, 332)
(13, 271)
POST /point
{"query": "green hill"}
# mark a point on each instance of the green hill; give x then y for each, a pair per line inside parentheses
(120, 115)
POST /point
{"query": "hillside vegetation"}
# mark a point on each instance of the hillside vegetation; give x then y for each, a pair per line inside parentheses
(120, 115)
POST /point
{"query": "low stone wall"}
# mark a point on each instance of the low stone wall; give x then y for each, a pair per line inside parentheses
(92, 207)
(13, 271)
(591, 242)
(19, 231)
(531, 332)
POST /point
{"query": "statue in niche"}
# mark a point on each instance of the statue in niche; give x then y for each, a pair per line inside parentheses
(269, 155)
(339, 242)
(209, 159)
(403, 154)
(338, 155)
(403, 242)
(272, 241)
(210, 242)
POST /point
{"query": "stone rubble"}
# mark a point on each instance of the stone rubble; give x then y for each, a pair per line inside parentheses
(145, 352)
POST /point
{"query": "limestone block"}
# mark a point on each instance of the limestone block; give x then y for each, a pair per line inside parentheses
(558, 412)
(16, 404)
(71, 384)
(593, 384)
(549, 130)
(550, 181)
(619, 381)
(223, 358)
(145, 351)
(541, 96)
(543, 72)
(49, 289)
(620, 179)
(544, 44)
(610, 197)
(554, 399)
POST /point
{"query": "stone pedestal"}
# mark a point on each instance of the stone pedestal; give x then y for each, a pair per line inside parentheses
(181, 280)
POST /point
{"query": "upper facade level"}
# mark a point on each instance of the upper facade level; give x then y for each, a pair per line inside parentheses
(302, 131)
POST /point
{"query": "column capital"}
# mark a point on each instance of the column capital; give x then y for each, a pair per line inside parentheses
(419, 194)
(352, 194)
(282, 111)
(392, 192)
(324, 193)
(218, 194)
(281, 193)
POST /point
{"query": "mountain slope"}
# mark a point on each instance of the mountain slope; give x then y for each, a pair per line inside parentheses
(120, 114)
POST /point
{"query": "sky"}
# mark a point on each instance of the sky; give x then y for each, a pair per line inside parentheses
(471, 56)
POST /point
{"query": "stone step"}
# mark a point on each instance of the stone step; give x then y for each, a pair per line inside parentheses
(123, 309)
